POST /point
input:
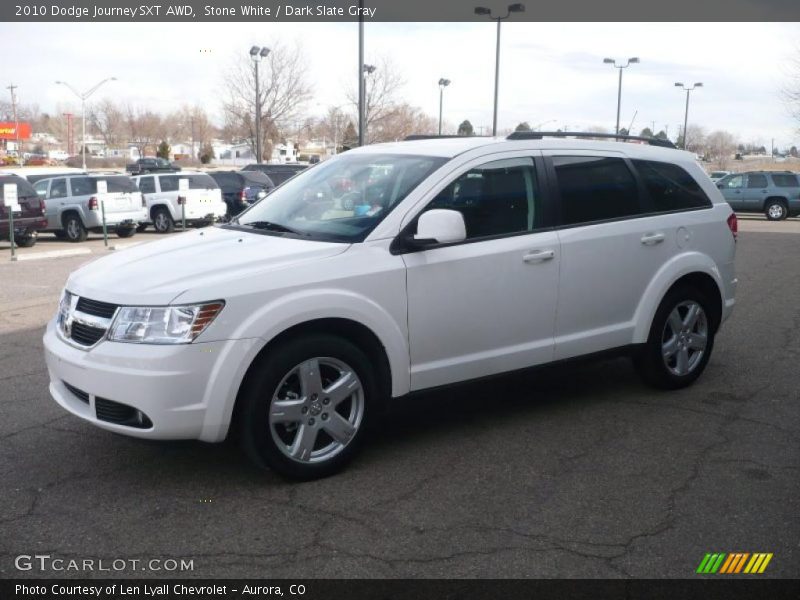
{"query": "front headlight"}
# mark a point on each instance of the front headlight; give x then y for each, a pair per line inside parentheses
(63, 307)
(163, 324)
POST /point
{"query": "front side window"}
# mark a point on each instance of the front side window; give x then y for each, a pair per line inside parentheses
(756, 180)
(733, 182)
(498, 198)
(595, 188)
(147, 185)
(342, 199)
(670, 187)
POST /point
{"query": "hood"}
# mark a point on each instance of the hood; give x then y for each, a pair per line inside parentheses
(158, 272)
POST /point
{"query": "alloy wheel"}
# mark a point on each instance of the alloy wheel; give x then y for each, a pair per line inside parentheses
(685, 337)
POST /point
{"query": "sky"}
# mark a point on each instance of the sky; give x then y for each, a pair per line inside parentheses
(550, 73)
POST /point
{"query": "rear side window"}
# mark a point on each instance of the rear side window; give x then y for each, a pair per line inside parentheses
(595, 188)
(147, 185)
(785, 180)
(82, 186)
(756, 180)
(670, 187)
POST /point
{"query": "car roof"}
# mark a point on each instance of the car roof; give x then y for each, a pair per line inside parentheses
(454, 146)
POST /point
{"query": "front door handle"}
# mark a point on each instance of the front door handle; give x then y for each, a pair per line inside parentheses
(651, 239)
(538, 256)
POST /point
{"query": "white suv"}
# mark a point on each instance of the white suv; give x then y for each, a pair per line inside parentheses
(390, 269)
(202, 200)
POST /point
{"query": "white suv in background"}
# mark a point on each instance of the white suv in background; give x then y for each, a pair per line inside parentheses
(394, 268)
(203, 199)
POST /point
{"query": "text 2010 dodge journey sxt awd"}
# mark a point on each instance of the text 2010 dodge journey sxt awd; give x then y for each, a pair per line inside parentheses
(393, 268)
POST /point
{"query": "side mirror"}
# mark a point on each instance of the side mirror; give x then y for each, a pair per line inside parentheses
(439, 226)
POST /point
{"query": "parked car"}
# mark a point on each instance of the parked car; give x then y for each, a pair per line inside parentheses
(151, 165)
(203, 203)
(775, 193)
(34, 174)
(75, 205)
(471, 257)
(717, 175)
(29, 220)
(240, 189)
(278, 173)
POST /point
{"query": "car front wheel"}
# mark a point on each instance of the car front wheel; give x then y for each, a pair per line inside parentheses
(776, 210)
(680, 342)
(306, 406)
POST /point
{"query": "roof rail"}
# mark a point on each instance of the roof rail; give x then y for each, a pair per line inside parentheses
(433, 136)
(537, 135)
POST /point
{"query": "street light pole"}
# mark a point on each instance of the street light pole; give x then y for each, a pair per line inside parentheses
(443, 83)
(362, 102)
(257, 54)
(11, 88)
(361, 82)
(686, 112)
(83, 97)
(487, 12)
(611, 61)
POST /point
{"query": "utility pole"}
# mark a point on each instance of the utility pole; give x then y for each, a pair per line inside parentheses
(13, 87)
(70, 136)
(361, 82)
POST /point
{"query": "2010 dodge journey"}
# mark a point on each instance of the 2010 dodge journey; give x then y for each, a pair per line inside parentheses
(390, 269)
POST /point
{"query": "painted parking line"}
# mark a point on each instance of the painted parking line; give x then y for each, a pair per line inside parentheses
(54, 254)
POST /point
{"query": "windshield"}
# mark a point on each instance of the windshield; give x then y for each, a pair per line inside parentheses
(341, 199)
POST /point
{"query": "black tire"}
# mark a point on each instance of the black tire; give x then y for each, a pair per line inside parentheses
(256, 432)
(650, 362)
(162, 221)
(74, 231)
(776, 210)
(126, 232)
(26, 241)
(141, 227)
(60, 235)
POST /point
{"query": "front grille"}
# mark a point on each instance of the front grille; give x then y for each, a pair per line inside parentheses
(86, 335)
(79, 394)
(121, 414)
(96, 308)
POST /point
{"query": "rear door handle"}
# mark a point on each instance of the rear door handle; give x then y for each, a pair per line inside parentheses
(651, 239)
(538, 256)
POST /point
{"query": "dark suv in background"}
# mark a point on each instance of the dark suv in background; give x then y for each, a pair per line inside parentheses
(775, 193)
(277, 173)
(240, 189)
(29, 220)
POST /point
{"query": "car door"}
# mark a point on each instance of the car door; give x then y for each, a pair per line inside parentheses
(610, 249)
(755, 192)
(732, 188)
(485, 305)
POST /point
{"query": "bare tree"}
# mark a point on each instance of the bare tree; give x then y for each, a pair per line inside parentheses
(107, 118)
(145, 128)
(381, 98)
(399, 121)
(791, 90)
(720, 147)
(283, 89)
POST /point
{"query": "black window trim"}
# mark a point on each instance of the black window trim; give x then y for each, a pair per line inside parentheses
(646, 203)
(399, 245)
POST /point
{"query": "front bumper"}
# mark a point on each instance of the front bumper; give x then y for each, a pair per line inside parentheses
(186, 391)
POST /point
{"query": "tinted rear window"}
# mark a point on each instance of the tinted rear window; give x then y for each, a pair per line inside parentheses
(595, 188)
(756, 180)
(24, 188)
(670, 187)
(785, 180)
(83, 186)
(169, 183)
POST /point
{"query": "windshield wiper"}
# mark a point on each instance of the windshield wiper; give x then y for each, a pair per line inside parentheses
(272, 227)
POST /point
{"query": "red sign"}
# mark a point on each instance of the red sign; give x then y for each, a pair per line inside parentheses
(8, 131)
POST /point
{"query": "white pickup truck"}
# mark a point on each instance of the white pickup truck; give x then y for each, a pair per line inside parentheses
(163, 193)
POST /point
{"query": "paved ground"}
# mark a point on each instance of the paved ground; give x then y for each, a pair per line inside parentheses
(571, 473)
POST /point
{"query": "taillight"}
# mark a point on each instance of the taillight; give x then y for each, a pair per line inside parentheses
(42, 205)
(733, 225)
(243, 195)
(93, 204)
(144, 202)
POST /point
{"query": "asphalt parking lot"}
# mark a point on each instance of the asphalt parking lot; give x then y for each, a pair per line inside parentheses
(579, 472)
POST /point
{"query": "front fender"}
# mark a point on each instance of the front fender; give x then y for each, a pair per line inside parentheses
(664, 279)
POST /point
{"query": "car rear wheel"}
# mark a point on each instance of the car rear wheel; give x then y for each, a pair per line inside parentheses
(26, 241)
(162, 221)
(126, 232)
(776, 210)
(141, 227)
(680, 342)
(306, 406)
(74, 230)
